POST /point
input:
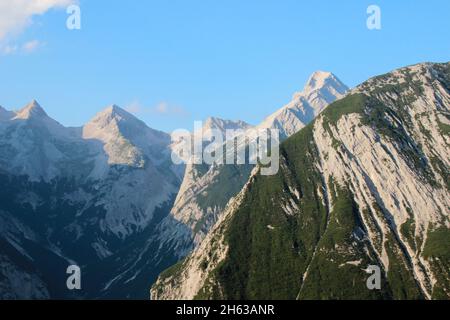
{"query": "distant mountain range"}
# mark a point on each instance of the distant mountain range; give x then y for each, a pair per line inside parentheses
(81, 195)
(363, 180)
(102, 197)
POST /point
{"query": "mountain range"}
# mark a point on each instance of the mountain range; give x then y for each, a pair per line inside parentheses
(101, 196)
(363, 180)
(81, 196)
(206, 189)
(366, 184)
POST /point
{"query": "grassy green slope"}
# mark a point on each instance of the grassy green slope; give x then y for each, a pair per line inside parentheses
(270, 263)
(316, 252)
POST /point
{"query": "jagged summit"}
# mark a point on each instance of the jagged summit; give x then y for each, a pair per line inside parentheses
(116, 110)
(125, 138)
(31, 110)
(107, 120)
(321, 79)
(113, 120)
(317, 80)
(221, 124)
(321, 89)
(113, 112)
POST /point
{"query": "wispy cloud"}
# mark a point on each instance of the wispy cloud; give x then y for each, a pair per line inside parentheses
(31, 46)
(8, 49)
(134, 107)
(26, 48)
(163, 108)
(15, 15)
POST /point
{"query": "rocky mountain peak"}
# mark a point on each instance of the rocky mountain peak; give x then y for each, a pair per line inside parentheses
(113, 112)
(223, 125)
(322, 89)
(31, 110)
(320, 80)
(112, 122)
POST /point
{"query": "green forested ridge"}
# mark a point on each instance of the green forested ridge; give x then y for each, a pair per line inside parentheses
(265, 263)
(285, 243)
(437, 250)
(228, 182)
(270, 264)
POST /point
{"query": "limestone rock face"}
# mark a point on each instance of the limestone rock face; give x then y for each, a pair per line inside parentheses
(206, 189)
(367, 183)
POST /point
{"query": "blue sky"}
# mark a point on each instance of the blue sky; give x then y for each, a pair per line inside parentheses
(179, 61)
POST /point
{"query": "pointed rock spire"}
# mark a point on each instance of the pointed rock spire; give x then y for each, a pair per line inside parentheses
(31, 110)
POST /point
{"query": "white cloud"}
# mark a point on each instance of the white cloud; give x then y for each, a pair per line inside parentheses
(134, 107)
(165, 108)
(8, 49)
(162, 108)
(26, 48)
(31, 46)
(15, 15)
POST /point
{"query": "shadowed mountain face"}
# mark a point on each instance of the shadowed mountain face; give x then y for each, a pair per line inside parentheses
(365, 184)
(99, 197)
(89, 196)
